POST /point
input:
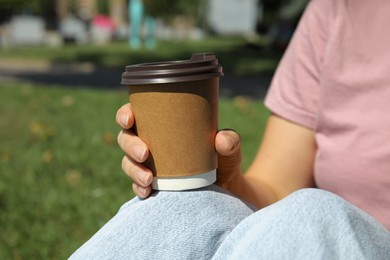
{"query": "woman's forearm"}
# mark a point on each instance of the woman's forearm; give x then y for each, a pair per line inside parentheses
(251, 190)
(283, 164)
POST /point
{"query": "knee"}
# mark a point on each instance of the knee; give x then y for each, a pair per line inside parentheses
(317, 199)
(313, 193)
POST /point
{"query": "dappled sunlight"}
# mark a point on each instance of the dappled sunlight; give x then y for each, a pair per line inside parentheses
(60, 70)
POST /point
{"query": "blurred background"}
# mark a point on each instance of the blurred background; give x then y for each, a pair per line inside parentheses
(60, 69)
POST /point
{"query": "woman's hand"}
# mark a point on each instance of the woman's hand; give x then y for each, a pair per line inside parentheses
(136, 153)
(227, 144)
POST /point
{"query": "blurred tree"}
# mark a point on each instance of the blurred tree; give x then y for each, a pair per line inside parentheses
(44, 8)
(103, 6)
(38, 7)
(292, 9)
(274, 10)
(167, 9)
(271, 9)
(280, 20)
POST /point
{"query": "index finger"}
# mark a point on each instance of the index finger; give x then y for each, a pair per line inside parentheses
(125, 116)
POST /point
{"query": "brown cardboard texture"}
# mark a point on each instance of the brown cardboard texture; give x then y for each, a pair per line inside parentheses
(178, 121)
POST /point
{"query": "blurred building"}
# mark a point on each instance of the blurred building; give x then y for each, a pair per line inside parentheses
(233, 16)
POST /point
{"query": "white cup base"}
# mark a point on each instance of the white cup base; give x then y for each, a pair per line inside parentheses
(185, 182)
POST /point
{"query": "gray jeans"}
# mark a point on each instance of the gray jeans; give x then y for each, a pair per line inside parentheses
(211, 224)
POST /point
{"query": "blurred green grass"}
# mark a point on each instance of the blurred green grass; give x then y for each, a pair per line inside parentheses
(238, 56)
(60, 176)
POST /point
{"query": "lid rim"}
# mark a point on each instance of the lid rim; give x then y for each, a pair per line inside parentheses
(185, 71)
(200, 66)
(172, 63)
(169, 79)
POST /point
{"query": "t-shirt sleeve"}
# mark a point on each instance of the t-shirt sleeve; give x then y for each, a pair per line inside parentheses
(295, 88)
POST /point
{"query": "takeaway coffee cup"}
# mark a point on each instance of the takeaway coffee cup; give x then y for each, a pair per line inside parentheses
(175, 105)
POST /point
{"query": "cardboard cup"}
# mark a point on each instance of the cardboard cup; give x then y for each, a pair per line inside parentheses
(178, 120)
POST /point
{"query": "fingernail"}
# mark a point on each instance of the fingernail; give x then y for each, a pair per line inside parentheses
(124, 120)
(139, 152)
(230, 142)
(149, 180)
(144, 178)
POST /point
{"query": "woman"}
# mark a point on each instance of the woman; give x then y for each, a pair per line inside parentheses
(329, 130)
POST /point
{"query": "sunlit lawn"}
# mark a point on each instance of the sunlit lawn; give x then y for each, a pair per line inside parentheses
(60, 176)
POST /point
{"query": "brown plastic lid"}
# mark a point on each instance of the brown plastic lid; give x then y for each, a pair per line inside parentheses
(200, 66)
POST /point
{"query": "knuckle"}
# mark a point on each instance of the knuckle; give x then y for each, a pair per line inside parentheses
(135, 189)
(124, 163)
(129, 167)
(119, 137)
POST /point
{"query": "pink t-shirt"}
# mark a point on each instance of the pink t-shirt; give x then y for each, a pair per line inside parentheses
(335, 79)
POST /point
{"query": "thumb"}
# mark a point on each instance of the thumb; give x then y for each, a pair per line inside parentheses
(228, 146)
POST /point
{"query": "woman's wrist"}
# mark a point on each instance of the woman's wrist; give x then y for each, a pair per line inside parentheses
(251, 190)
